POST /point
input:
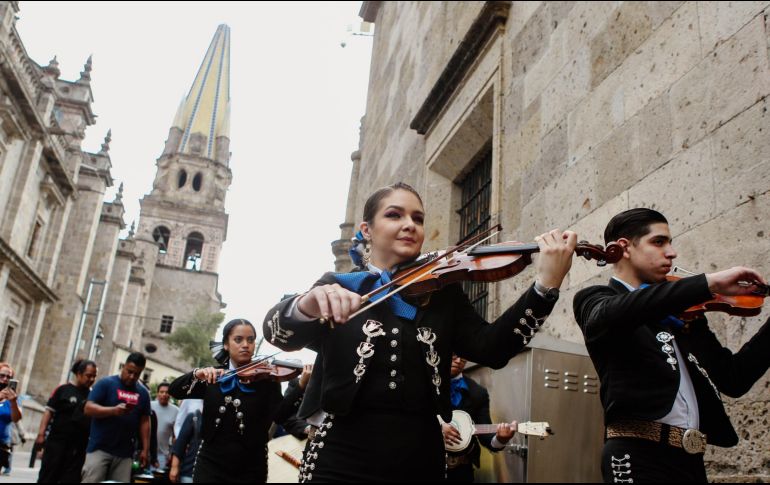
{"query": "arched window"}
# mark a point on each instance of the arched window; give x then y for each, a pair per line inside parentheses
(182, 178)
(193, 251)
(162, 235)
(197, 181)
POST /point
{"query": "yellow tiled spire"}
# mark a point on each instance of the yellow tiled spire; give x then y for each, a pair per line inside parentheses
(206, 109)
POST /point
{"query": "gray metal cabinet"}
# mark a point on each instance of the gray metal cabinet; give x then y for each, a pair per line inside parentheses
(554, 381)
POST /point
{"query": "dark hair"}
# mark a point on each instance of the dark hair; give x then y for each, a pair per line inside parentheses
(137, 358)
(632, 224)
(232, 324)
(81, 365)
(373, 202)
(163, 384)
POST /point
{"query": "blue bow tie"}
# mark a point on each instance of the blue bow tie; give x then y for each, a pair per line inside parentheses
(355, 282)
(670, 320)
(227, 385)
(454, 390)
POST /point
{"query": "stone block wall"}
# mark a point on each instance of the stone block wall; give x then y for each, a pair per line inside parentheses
(591, 108)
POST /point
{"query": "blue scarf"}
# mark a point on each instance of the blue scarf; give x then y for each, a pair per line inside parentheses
(227, 385)
(670, 320)
(454, 390)
(355, 282)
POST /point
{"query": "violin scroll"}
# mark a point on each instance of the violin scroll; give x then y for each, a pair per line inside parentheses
(611, 254)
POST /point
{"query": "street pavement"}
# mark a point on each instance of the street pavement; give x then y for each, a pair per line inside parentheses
(20, 471)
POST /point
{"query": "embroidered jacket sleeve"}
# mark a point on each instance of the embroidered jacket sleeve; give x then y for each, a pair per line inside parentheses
(282, 329)
(733, 374)
(187, 387)
(493, 345)
(601, 312)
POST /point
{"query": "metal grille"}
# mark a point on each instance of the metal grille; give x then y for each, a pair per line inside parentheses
(475, 218)
(166, 323)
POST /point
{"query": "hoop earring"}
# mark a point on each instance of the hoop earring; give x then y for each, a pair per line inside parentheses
(367, 253)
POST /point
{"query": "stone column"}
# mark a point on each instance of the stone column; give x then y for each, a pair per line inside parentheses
(340, 247)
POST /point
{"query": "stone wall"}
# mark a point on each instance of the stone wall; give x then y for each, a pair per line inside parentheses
(59, 331)
(591, 108)
(179, 293)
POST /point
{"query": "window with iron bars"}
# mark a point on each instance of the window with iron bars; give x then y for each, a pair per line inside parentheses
(475, 218)
(166, 322)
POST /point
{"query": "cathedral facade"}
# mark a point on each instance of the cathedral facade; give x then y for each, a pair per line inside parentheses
(70, 286)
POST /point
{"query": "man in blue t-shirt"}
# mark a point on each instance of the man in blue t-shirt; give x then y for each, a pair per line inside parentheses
(120, 409)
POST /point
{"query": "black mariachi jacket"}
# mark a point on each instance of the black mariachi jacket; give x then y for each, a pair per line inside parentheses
(259, 409)
(625, 340)
(447, 324)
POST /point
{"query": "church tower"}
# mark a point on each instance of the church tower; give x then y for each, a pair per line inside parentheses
(182, 221)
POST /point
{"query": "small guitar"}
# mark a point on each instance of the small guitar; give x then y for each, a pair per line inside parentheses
(284, 457)
(463, 423)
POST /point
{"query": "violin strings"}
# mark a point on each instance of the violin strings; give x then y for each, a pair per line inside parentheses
(413, 271)
(424, 267)
(249, 366)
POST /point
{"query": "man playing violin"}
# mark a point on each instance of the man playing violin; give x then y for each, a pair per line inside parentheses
(661, 379)
(384, 375)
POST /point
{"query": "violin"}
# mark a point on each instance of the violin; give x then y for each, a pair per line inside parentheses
(492, 263)
(262, 369)
(739, 305)
(472, 262)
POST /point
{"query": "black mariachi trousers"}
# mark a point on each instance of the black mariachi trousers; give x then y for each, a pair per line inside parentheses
(631, 460)
(376, 446)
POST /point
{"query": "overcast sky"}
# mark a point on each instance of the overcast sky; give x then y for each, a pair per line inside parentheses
(297, 100)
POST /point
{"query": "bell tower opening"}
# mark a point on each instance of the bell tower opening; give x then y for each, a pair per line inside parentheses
(197, 182)
(182, 178)
(162, 235)
(193, 251)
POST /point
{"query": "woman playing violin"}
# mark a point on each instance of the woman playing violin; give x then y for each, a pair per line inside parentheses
(384, 374)
(237, 411)
(662, 378)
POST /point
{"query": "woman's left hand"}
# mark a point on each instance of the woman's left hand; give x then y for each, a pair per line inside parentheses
(555, 259)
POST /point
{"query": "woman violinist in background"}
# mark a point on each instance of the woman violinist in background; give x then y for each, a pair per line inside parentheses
(237, 411)
(384, 375)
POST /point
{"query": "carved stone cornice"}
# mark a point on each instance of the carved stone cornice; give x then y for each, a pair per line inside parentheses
(493, 15)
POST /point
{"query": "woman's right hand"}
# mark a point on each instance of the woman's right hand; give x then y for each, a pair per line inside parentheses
(329, 301)
(209, 374)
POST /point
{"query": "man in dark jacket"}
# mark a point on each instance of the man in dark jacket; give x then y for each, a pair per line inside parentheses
(661, 377)
(185, 449)
(466, 395)
(295, 392)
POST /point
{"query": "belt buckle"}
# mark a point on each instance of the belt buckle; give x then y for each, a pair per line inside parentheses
(693, 441)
